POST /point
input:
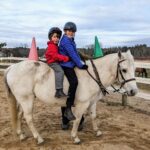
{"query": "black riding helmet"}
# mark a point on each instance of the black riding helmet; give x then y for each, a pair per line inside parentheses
(70, 26)
(54, 30)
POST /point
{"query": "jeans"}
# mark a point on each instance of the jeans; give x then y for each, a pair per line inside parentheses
(59, 75)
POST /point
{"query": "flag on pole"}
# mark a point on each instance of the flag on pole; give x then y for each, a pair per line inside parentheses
(98, 52)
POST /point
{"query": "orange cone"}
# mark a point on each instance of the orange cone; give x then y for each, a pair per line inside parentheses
(33, 55)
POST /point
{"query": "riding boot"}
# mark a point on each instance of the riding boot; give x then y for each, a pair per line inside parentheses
(59, 93)
(65, 122)
(68, 114)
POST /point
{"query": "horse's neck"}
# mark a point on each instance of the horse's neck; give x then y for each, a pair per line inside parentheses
(107, 68)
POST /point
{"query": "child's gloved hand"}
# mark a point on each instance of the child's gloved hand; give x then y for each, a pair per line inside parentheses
(84, 67)
(66, 59)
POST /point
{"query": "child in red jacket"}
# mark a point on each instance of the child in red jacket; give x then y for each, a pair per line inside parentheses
(53, 58)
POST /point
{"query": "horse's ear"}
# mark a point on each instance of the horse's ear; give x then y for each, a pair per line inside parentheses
(119, 54)
(129, 52)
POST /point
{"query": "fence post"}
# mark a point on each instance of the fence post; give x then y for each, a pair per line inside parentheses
(124, 100)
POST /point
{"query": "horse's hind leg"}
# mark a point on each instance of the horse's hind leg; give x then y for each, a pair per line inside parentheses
(79, 111)
(92, 110)
(19, 118)
(27, 106)
(145, 72)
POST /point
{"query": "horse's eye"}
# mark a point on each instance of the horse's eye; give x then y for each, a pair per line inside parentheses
(124, 70)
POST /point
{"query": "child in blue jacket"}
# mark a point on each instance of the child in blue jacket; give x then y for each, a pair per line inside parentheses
(67, 47)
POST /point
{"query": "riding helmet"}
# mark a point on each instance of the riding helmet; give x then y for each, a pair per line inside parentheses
(54, 30)
(70, 26)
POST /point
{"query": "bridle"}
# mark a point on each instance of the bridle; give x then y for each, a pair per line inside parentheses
(121, 74)
(98, 80)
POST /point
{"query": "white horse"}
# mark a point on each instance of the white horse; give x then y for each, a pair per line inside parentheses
(28, 80)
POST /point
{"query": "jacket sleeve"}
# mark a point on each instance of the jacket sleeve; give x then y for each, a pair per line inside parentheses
(52, 52)
(73, 55)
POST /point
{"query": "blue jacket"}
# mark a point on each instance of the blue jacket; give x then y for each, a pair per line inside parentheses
(67, 47)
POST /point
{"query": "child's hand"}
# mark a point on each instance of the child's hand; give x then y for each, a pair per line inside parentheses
(66, 59)
(85, 67)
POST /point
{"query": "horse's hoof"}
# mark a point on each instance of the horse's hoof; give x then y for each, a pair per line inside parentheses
(40, 141)
(98, 133)
(23, 137)
(77, 140)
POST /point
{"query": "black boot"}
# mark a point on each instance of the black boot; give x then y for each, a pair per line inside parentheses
(68, 114)
(65, 126)
(59, 93)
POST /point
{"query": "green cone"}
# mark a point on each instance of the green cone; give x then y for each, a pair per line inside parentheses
(97, 49)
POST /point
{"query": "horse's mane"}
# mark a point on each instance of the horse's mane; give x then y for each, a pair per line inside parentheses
(86, 57)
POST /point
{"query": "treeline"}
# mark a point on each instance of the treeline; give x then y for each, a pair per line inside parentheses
(138, 51)
(19, 52)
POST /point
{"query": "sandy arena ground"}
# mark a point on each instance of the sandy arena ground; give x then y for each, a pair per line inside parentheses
(123, 128)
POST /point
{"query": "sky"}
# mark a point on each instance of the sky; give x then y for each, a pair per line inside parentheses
(114, 22)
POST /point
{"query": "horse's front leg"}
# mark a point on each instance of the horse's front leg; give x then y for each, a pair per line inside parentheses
(92, 110)
(81, 107)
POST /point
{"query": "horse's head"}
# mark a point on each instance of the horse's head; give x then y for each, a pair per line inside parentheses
(126, 73)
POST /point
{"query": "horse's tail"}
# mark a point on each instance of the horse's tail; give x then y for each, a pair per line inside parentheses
(12, 101)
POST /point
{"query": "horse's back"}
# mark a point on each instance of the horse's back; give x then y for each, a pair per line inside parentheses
(25, 74)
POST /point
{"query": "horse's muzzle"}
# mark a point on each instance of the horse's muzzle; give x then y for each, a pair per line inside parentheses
(132, 92)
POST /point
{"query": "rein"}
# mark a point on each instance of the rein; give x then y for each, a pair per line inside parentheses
(97, 79)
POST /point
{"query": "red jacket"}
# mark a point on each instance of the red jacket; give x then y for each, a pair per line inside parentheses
(52, 54)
